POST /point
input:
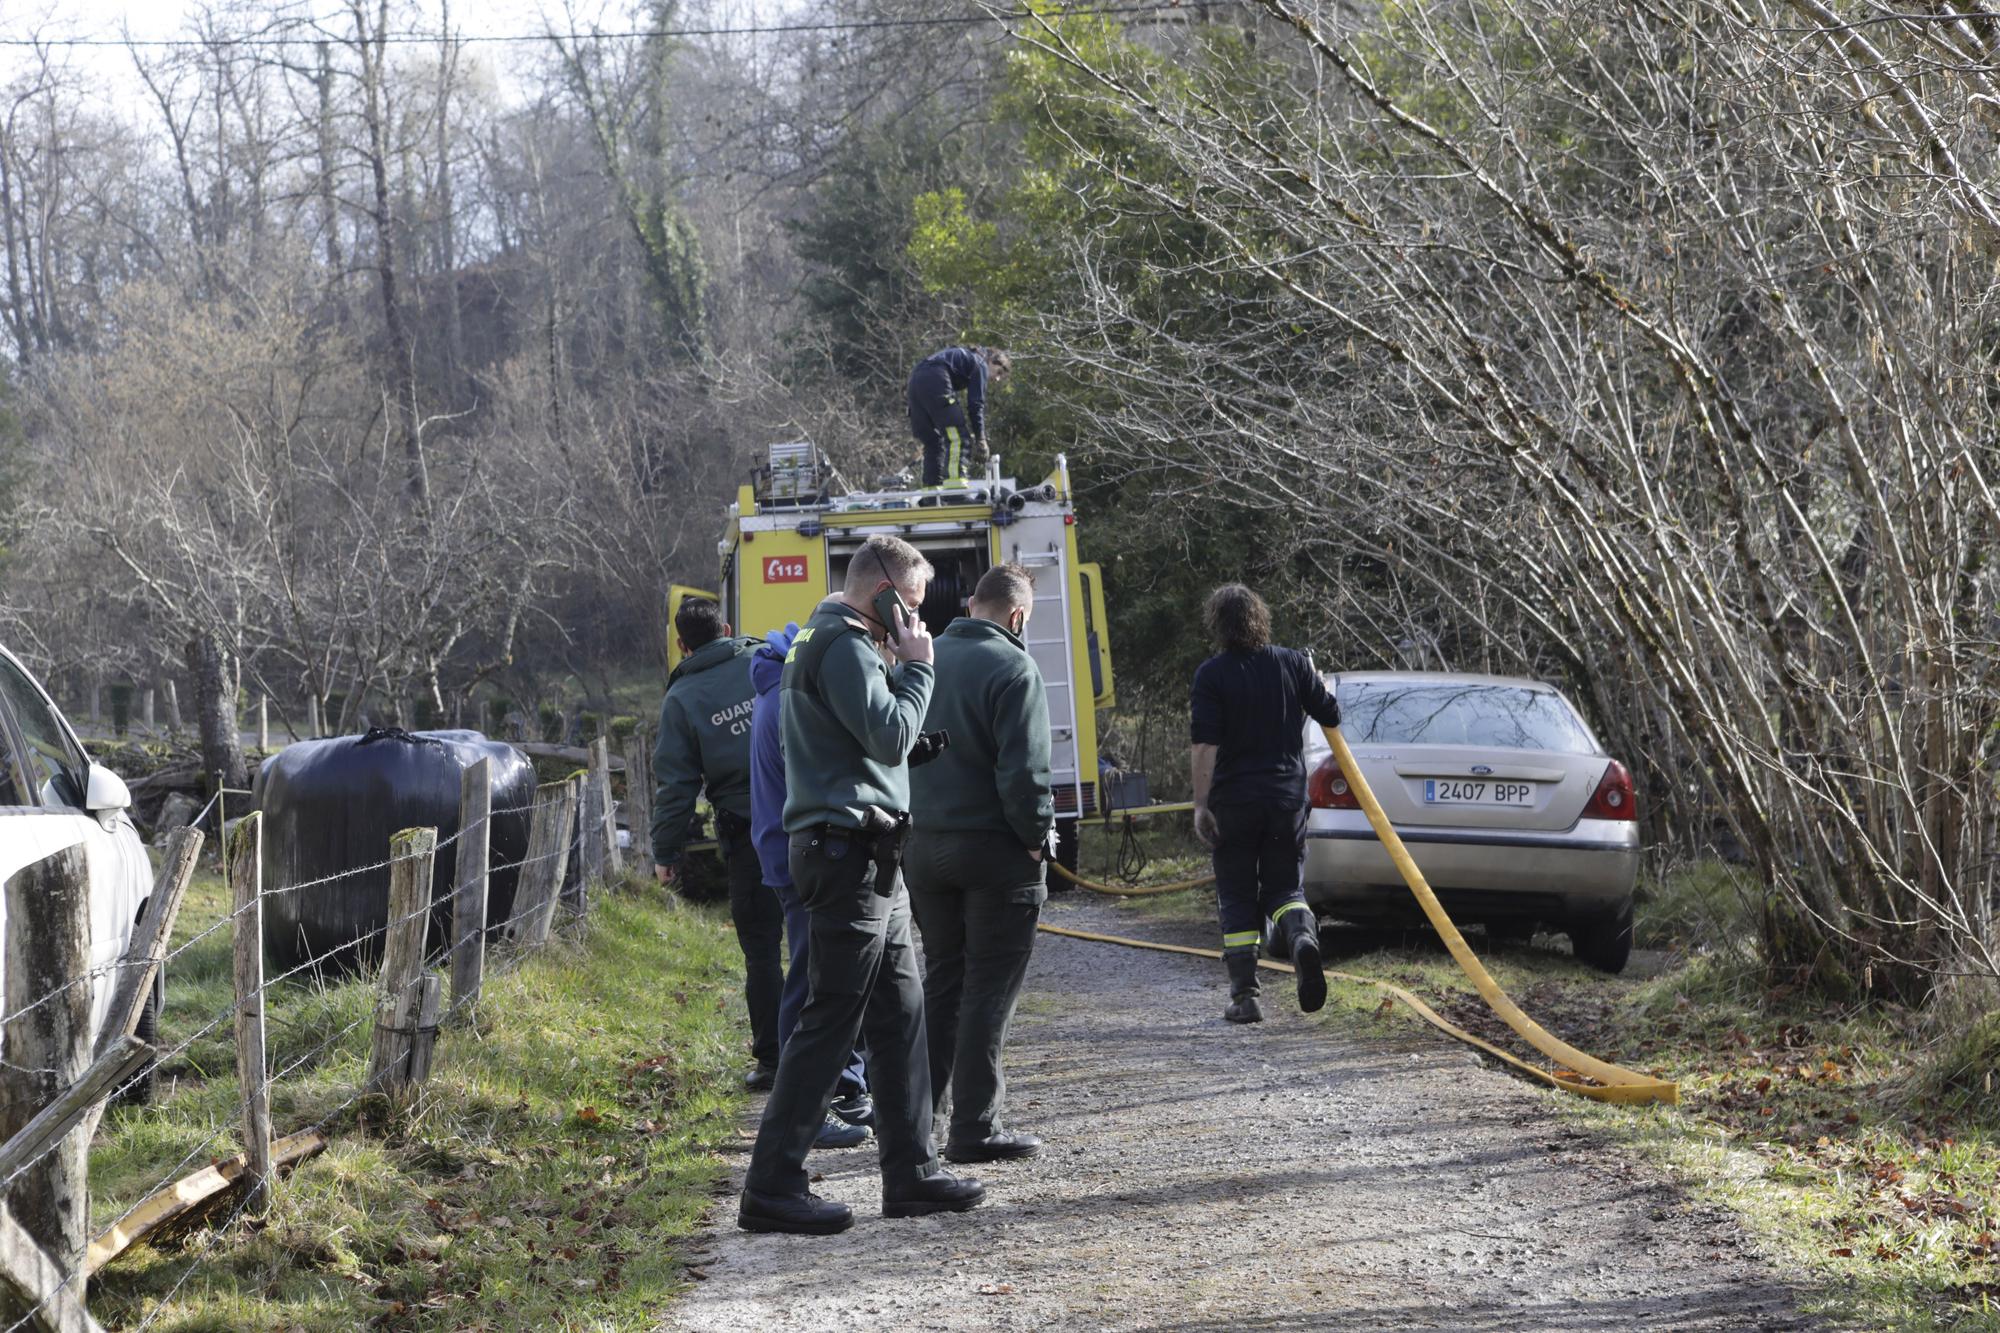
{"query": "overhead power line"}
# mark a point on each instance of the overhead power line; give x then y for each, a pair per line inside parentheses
(307, 30)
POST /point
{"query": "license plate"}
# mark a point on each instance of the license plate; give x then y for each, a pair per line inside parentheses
(1477, 791)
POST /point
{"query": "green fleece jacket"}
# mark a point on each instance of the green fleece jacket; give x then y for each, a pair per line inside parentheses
(849, 723)
(704, 740)
(994, 778)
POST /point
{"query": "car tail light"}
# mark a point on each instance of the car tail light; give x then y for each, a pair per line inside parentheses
(1328, 789)
(1613, 798)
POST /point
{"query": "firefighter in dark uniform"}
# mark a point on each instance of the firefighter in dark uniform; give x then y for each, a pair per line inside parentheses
(1249, 705)
(948, 407)
(982, 815)
(849, 724)
(704, 740)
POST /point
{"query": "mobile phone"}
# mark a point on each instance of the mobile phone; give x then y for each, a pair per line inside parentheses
(891, 610)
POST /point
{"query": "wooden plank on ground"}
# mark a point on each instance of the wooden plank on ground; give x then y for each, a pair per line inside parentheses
(164, 1205)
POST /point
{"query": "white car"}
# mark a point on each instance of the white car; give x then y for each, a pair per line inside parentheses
(52, 797)
(1505, 799)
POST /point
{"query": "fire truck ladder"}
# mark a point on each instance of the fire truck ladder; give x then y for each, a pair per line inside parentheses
(1062, 683)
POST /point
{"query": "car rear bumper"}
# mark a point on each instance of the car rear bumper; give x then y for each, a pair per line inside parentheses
(1584, 872)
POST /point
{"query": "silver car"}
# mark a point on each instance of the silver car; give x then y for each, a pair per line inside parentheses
(1509, 805)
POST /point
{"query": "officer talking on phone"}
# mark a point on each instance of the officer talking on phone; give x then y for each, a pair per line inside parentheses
(849, 725)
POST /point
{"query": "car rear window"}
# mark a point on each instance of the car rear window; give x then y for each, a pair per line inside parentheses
(1506, 717)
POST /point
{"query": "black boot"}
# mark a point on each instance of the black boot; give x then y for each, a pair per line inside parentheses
(1301, 934)
(1242, 965)
(795, 1214)
(940, 1192)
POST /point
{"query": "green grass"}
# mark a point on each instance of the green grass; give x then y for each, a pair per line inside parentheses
(1861, 1145)
(541, 1181)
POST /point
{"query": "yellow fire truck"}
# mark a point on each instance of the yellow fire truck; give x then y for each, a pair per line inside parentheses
(793, 529)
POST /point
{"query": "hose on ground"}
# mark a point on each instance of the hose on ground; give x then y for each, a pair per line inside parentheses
(1618, 1084)
(1562, 1079)
(1576, 1072)
(1127, 890)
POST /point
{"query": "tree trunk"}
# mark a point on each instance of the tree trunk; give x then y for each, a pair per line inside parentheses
(372, 47)
(454, 323)
(215, 713)
(336, 263)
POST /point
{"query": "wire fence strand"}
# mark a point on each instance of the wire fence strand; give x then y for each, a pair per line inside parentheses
(226, 1126)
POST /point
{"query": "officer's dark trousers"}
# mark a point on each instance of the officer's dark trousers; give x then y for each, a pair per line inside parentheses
(798, 985)
(760, 932)
(937, 419)
(1257, 859)
(863, 967)
(977, 897)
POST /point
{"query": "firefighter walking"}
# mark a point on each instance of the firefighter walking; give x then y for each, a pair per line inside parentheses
(1248, 704)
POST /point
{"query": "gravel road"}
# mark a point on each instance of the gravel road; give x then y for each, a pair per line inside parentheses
(1284, 1176)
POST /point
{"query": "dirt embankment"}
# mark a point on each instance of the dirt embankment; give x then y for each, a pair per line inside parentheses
(1294, 1175)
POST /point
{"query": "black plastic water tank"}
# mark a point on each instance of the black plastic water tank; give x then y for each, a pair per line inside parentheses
(330, 808)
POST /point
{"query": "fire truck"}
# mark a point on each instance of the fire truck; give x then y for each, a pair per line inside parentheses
(792, 530)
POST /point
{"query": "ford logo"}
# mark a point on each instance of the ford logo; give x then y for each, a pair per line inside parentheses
(1481, 770)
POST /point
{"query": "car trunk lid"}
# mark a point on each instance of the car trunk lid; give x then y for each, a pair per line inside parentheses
(1432, 786)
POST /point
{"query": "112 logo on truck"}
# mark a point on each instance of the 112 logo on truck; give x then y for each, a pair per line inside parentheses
(784, 569)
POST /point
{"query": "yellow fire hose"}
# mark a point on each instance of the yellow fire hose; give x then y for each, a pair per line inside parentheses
(1576, 1072)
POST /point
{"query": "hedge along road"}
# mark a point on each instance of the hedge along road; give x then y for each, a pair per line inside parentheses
(1291, 1175)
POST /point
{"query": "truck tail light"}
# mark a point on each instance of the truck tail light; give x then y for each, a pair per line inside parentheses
(1614, 798)
(1327, 789)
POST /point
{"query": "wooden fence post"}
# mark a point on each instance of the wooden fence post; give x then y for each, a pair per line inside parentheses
(576, 897)
(246, 878)
(468, 902)
(399, 1008)
(639, 798)
(47, 1045)
(51, 1294)
(590, 824)
(540, 884)
(612, 864)
(423, 1039)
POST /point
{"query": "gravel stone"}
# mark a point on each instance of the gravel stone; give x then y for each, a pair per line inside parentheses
(1282, 1176)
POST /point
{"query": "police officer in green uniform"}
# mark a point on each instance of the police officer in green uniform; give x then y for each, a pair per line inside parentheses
(704, 740)
(981, 815)
(849, 725)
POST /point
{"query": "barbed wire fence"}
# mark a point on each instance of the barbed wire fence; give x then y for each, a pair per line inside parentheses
(61, 1064)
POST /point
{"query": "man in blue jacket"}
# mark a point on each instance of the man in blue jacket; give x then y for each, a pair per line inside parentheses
(848, 1120)
(948, 406)
(704, 741)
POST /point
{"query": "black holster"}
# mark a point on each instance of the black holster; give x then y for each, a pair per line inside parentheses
(885, 833)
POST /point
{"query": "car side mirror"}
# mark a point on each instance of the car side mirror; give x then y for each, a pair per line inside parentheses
(106, 792)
